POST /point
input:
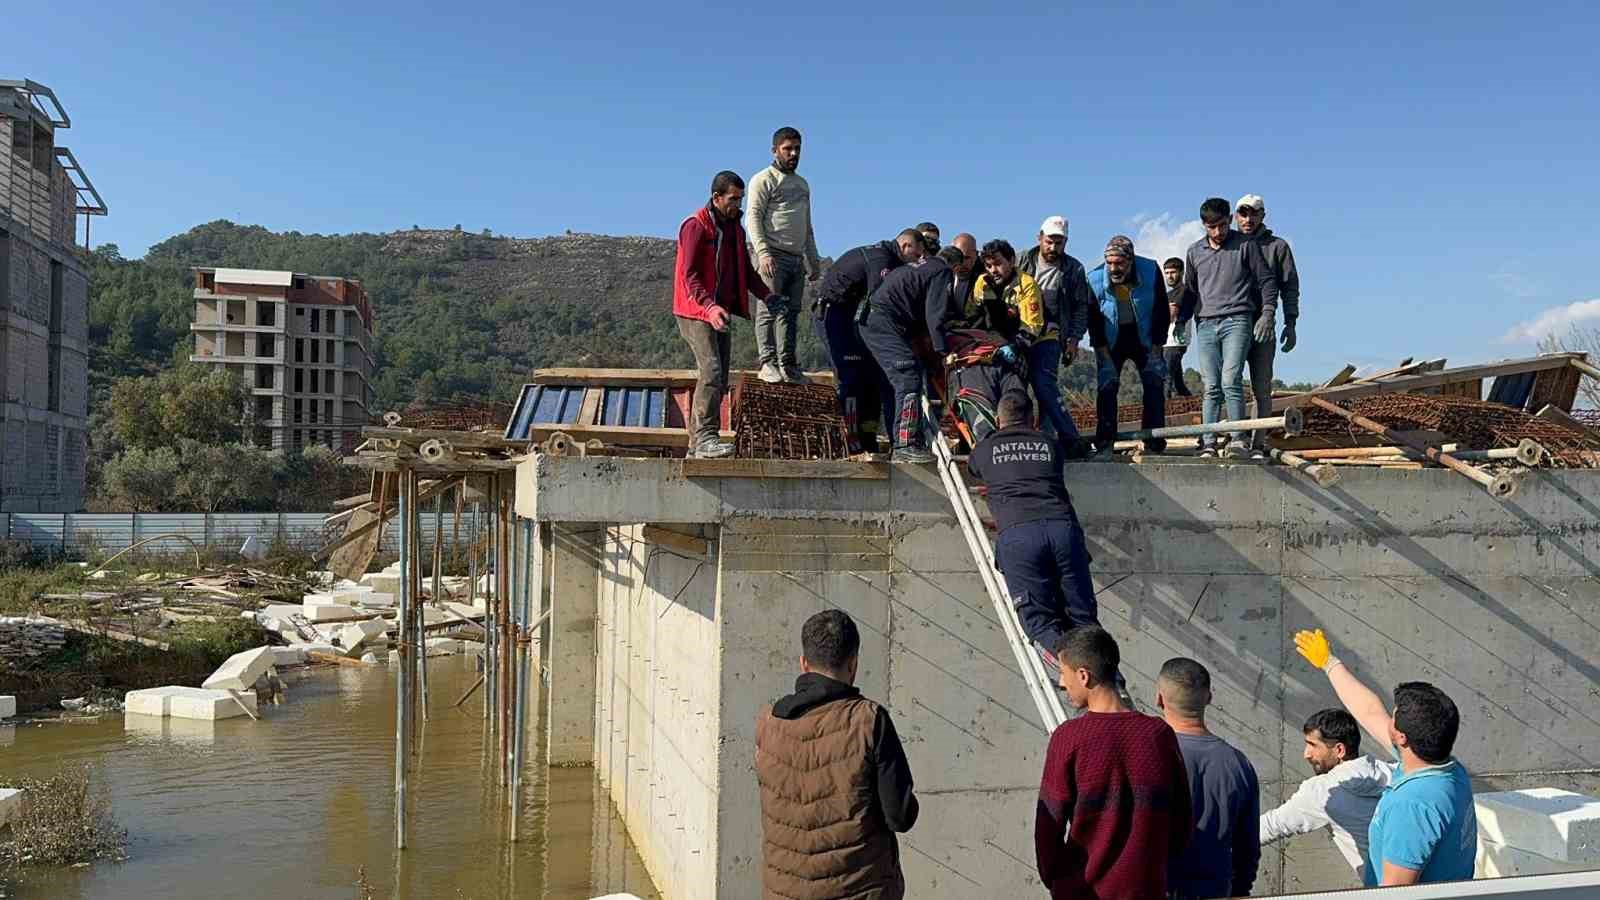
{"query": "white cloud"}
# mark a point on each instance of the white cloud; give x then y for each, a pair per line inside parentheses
(1554, 321)
(1163, 236)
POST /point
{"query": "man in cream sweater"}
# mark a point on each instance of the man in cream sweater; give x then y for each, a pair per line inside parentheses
(785, 250)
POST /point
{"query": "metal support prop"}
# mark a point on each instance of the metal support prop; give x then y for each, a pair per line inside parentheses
(402, 709)
(1501, 485)
(419, 620)
(1292, 422)
(1032, 669)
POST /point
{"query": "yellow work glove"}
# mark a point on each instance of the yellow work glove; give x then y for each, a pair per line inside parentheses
(1313, 645)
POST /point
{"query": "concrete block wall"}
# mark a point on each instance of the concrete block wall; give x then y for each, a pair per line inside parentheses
(656, 714)
(1415, 575)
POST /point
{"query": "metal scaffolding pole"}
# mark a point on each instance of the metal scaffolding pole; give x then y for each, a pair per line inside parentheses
(402, 743)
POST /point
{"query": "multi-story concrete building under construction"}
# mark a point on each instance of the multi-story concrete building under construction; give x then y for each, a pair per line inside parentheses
(302, 343)
(44, 305)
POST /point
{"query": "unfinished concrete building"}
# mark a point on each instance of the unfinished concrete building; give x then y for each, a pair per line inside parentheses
(303, 345)
(44, 305)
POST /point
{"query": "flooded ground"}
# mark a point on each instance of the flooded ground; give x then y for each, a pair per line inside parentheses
(296, 804)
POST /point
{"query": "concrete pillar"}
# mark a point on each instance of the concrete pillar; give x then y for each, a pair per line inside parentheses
(573, 555)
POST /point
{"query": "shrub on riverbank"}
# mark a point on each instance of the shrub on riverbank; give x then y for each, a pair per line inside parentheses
(65, 819)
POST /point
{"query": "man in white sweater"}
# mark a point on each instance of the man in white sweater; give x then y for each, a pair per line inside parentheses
(1342, 795)
(785, 250)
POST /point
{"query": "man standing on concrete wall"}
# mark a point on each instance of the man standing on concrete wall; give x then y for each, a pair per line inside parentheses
(1341, 796)
(1425, 828)
(1040, 550)
(1128, 323)
(711, 280)
(1237, 305)
(1180, 305)
(1116, 778)
(835, 784)
(786, 254)
(1251, 216)
(1225, 849)
(864, 393)
(911, 303)
(1065, 291)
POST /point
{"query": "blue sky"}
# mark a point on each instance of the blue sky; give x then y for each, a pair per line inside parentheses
(1433, 164)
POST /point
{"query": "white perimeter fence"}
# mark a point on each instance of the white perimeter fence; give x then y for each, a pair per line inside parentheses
(76, 534)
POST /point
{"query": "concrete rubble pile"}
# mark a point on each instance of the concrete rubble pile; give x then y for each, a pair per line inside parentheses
(26, 637)
(1537, 831)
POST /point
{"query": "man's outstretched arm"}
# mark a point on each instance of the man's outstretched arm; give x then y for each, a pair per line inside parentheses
(1358, 699)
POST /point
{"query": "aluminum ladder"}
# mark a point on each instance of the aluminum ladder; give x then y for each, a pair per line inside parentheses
(1041, 681)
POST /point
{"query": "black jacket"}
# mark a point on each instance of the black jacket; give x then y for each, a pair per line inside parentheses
(1067, 306)
(1278, 255)
(1023, 470)
(857, 273)
(896, 798)
(914, 299)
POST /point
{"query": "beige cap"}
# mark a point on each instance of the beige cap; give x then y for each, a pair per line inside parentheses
(1253, 201)
(1054, 226)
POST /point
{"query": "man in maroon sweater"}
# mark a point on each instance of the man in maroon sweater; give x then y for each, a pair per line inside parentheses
(1116, 777)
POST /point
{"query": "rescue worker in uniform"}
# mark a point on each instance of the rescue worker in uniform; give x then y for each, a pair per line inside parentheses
(909, 305)
(864, 393)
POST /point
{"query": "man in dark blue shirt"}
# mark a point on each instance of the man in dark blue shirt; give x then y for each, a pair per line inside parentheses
(1225, 849)
(865, 397)
(1041, 549)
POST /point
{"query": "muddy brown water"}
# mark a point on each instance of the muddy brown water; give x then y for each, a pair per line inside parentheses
(294, 805)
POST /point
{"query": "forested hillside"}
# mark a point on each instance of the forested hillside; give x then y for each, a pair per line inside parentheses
(458, 313)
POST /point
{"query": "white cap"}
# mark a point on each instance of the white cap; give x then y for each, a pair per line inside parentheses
(1253, 201)
(1055, 226)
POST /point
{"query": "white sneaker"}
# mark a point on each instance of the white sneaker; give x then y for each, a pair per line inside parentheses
(1208, 453)
(1236, 451)
(770, 373)
(793, 375)
(711, 450)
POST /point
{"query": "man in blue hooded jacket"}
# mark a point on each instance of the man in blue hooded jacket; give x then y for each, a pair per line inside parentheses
(1128, 321)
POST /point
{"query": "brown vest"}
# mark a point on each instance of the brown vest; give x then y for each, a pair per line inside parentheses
(823, 834)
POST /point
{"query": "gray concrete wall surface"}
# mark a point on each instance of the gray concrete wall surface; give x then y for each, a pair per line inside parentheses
(1414, 575)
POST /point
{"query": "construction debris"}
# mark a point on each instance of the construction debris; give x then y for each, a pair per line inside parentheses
(27, 637)
(1471, 424)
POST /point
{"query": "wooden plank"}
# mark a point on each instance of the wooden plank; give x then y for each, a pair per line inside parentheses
(1431, 379)
(1556, 387)
(642, 377)
(457, 439)
(354, 533)
(589, 410)
(1471, 390)
(357, 500)
(350, 561)
(784, 468)
(676, 540)
(1345, 374)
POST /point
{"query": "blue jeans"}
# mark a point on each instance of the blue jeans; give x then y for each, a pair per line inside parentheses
(1221, 345)
(1044, 364)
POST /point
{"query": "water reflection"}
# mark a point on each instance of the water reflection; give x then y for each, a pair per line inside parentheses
(296, 804)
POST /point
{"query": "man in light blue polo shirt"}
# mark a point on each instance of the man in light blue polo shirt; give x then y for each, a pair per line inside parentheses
(1425, 829)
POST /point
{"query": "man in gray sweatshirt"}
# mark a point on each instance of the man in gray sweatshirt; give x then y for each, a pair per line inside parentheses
(785, 251)
(1237, 306)
(1341, 796)
(1251, 216)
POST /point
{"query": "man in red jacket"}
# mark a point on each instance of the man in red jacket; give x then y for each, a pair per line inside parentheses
(1117, 778)
(713, 275)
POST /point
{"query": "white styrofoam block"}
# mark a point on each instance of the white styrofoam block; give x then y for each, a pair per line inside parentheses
(1500, 861)
(199, 703)
(443, 646)
(382, 582)
(148, 702)
(321, 577)
(318, 597)
(327, 612)
(465, 611)
(375, 600)
(369, 657)
(240, 671)
(10, 805)
(288, 656)
(355, 634)
(8, 706)
(1556, 824)
(350, 591)
(282, 611)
